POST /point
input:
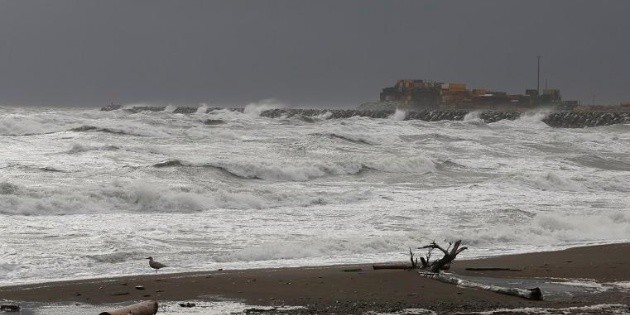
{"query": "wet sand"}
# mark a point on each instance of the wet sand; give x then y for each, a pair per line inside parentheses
(355, 289)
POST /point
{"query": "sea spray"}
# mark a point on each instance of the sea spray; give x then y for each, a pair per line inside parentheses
(254, 109)
(398, 115)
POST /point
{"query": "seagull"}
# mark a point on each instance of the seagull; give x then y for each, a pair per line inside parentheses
(154, 264)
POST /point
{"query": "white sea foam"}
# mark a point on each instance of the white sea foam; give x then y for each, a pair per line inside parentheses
(531, 119)
(254, 109)
(330, 246)
(140, 196)
(17, 124)
(547, 228)
(553, 181)
(398, 115)
(202, 109)
(170, 108)
(590, 286)
(623, 285)
(79, 148)
(324, 116)
(416, 165)
(262, 192)
(474, 118)
(611, 309)
(289, 171)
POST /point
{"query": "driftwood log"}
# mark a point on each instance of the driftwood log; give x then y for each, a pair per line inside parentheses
(142, 308)
(426, 263)
(392, 266)
(9, 308)
(432, 270)
(444, 262)
(531, 294)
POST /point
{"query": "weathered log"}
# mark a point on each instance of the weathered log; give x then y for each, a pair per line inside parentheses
(491, 269)
(9, 308)
(391, 266)
(531, 294)
(434, 266)
(142, 308)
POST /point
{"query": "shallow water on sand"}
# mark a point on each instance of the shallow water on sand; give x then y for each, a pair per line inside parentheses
(85, 193)
(227, 307)
(199, 308)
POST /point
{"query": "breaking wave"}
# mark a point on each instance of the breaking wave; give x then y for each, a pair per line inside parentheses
(474, 118)
(324, 246)
(599, 162)
(431, 136)
(308, 170)
(79, 148)
(105, 130)
(255, 109)
(269, 171)
(116, 257)
(414, 165)
(554, 182)
(398, 115)
(530, 119)
(143, 197)
(553, 229)
(347, 137)
(27, 125)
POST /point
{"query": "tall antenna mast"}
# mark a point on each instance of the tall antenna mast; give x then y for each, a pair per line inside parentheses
(538, 82)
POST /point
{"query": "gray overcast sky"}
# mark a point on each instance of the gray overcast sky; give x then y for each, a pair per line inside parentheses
(318, 53)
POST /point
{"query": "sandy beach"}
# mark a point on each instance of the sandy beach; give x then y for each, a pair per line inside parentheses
(604, 272)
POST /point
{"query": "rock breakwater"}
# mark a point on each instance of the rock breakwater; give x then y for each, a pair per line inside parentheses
(559, 119)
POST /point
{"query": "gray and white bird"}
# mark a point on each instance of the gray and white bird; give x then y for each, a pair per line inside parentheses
(154, 264)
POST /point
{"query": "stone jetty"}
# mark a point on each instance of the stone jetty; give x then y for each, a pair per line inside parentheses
(560, 119)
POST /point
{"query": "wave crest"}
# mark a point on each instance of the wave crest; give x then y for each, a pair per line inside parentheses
(269, 171)
(553, 229)
(398, 115)
(255, 109)
(79, 148)
(347, 137)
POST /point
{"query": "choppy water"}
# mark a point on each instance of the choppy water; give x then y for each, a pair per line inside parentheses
(85, 193)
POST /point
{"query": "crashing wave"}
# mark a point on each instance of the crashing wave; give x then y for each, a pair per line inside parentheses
(268, 171)
(98, 129)
(345, 137)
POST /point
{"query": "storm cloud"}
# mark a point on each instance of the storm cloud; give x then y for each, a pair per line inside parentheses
(304, 53)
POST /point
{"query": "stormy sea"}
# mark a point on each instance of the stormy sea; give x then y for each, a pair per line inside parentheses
(86, 193)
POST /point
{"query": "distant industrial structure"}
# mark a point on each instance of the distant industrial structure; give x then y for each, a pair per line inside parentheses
(431, 95)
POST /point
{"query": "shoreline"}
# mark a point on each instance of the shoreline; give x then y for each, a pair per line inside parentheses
(52, 281)
(357, 288)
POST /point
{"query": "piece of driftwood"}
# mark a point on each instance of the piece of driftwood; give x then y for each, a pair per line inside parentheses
(431, 269)
(531, 294)
(426, 263)
(444, 262)
(142, 308)
(391, 266)
(491, 269)
(9, 308)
